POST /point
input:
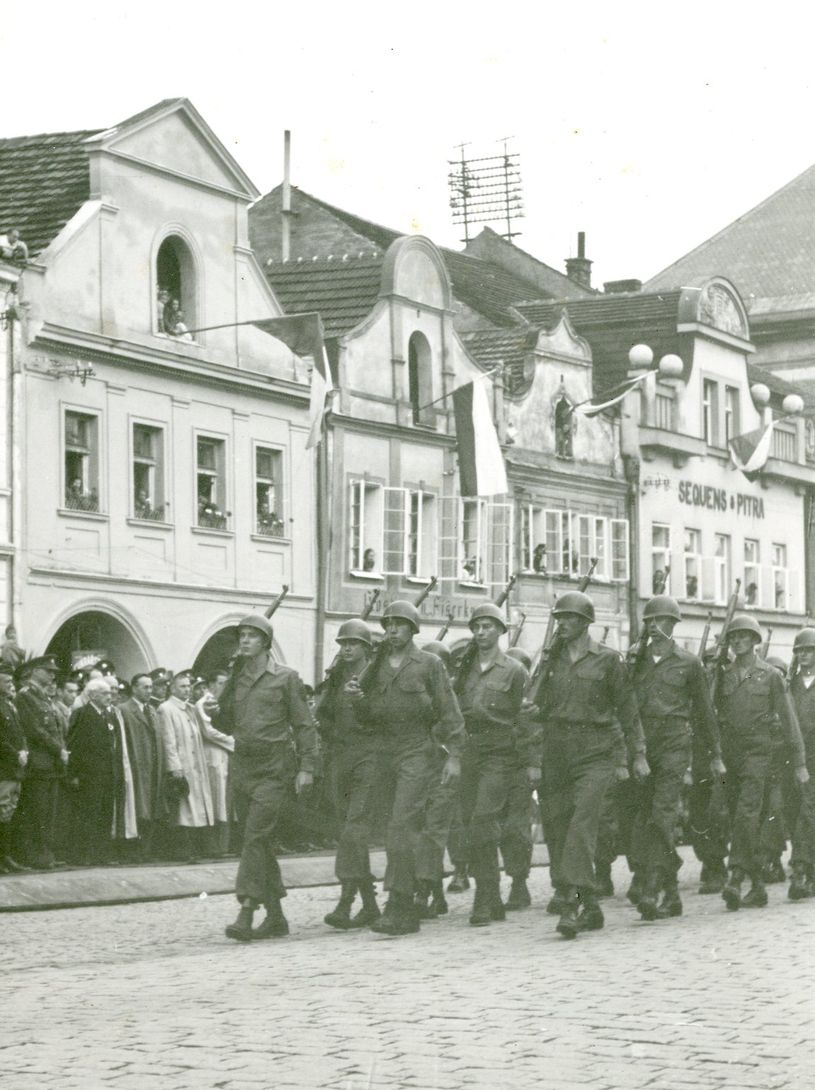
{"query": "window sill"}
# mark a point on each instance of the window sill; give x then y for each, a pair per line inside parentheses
(368, 576)
(77, 512)
(210, 531)
(471, 584)
(183, 339)
(134, 521)
(269, 539)
(418, 580)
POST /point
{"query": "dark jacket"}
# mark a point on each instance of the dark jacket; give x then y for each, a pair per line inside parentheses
(12, 741)
(146, 758)
(673, 695)
(43, 731)
(490, 702)
(93, 741)
(749, 708)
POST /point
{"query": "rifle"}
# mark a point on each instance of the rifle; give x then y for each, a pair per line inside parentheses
(661, 580)
(369, 605)
(519, 627)
(275, 606)
(445, 628)
(766, 648)
(471, 650)
(705, 636)
(543, 666)
(721, 645)
(425, 591)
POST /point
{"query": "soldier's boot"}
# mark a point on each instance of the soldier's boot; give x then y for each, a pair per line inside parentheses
(774, 871)
(756, 896)
(650, 893)
(568, 925)
(481, 913)
(340, 916)
(602, 880)
(421, 902)
(671, 903)
(274, 924)
(459, 882)
(557, 903)
(731, 894)
(241, 929)
(635, 890)
(712, 878)
(518, 896)
(591, 916)
(439, 903)
(370, 909)
(810, 878)
(799, 887)
(399, 917)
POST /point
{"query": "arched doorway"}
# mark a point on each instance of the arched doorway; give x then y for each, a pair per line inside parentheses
(91, 635)
(220, 649)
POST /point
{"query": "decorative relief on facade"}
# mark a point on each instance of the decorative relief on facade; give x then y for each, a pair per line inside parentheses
(718, 308)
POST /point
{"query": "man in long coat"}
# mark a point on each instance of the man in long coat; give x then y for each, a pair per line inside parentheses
(147, 756)
(94, 774)
(185, 759)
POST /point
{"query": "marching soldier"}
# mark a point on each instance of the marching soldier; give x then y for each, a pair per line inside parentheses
(516, 821)
(674, 702)
(402, 693)
(588, 708)
(802, 825)
(264, 707)
(751, 695)
(490, 687)
(352, 763)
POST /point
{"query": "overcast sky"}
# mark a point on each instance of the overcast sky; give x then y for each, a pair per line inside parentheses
(648, 126)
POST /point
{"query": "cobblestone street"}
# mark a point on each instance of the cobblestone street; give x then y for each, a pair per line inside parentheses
(153, 996)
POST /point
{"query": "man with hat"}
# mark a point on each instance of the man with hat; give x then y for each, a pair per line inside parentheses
(161, 678)
(263, 706)
(750, 698)
(800, 803)
(403, 693)
(352, 754)
(588, 710)
(490, 688)
(13, 761)
(674, 703)
(35, 819)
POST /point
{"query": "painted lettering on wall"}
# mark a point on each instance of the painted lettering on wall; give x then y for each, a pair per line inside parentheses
(719, 499)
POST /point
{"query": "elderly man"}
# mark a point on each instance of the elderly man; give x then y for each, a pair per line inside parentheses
(93, 773)
(147, 758)
(185, 761)
(13, 760)
(35, 819)
(263, 706)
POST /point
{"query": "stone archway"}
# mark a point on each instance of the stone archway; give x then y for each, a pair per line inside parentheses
(219, 649)
(93, 634)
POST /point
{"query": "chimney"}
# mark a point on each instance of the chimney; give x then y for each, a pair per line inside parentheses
(285, 209)
(619, 287)
(579, 268)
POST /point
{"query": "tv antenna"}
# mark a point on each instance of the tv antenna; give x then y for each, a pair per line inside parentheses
(486, 190)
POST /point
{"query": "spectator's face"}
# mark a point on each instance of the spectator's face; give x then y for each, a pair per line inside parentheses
(70, 691)
(143, 689)
(181, 688)
(217, 686)
(100, 697)
(44, 678)
(160, 688)
(11, 633)
(6, 685)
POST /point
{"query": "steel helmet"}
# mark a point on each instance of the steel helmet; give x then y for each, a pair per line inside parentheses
(522, 657)
(805, 638)
(662, 606)
(355, 629)
(440, 650)
(573, 601)
(742, 622)
(778, 663)
(491, 612)
(404, 611)
(257, 621)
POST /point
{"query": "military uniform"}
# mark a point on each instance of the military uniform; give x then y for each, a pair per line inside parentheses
(802, 816)
(674, 704)
(588, 709)
(748, 704)
(36, 816)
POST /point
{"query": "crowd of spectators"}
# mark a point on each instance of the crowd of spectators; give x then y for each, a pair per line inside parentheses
(95, 770)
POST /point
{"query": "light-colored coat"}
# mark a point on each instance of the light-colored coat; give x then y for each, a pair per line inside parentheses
(184, 752)
(217, 748)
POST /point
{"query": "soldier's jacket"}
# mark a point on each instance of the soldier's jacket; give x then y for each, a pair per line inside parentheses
(748, 708)
(412, 699)
(593, 691)
(43, 731)
(12, 741)
(673, 694)
(490, 702)
(803, 700)
(270, 706)
(336, 711)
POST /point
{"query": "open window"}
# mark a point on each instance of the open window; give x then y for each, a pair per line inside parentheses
(148, 473)
(269, 520)
(210, 479)
(81, 461)
(176, 289)
(365, 528)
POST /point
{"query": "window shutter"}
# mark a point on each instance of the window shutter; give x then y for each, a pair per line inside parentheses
(794, 604)
(619, 551)
(394, 545)
(499, 539)
(449, 555)
(708, 588)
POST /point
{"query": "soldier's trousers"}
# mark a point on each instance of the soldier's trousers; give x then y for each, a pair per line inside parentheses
(404, 772)
(801, 802)
(486, 779)
(578, 770)
(263, 785)
(442, 804)
(34, 821)
(744, 786)
(353, 785)
(775, 826)
(653, 844)
(516, 825)
(614, 837)
(708, 820)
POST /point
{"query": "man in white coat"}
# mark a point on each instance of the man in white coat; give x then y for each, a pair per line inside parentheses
(217, 750)
(185, 760)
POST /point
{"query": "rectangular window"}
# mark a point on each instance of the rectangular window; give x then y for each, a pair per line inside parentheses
(620, 567)
(499, 543)
(664, 408)
(473, 540)
(693, 563)
(752, 572)
(210, 481)
(533, 540)
(732, 421)
(710, 412)
(421, 537)
(148, 473)
(785, 443)
(721, 567)
(780, 576)
(269, 520)
(366, 527)
(81, 463)
(590, 537)
(660, 555)
(557, 531)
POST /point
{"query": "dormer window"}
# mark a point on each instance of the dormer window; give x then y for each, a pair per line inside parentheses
(176, 310)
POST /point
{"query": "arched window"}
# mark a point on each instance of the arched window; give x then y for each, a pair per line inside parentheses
(420, 379)
(176, 299)
(564, 429)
